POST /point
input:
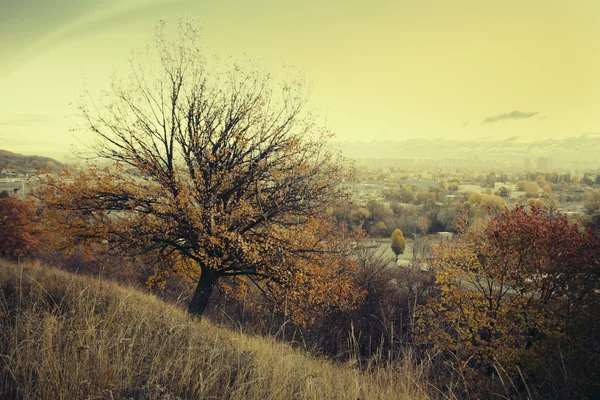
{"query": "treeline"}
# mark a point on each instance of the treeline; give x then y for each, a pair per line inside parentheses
(556, 178)
(416, 210)
(380, 219)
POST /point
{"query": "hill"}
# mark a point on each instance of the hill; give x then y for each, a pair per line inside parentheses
(68, 336)
(22, 163)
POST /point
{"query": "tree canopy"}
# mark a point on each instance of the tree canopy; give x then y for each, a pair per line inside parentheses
(513, 294)
(20, 232)
(223, 171)
(398, 242)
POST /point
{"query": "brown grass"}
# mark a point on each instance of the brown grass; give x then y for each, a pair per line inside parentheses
(64, 336)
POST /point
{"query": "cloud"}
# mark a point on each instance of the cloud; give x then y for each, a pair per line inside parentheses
(26, 119)
(511, 115)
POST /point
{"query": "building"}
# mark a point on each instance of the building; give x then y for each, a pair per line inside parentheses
(13, 187)
(545, 164)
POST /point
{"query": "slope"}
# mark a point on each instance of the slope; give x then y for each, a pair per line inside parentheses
(68, 336)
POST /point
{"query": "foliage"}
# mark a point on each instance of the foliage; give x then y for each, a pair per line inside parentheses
(488, 202)
(536, 203)
(482, 206)
(399, 193)
(531, 188)
(592, 202)
(592, 209)
(20, 231)
(398, 242)
(218, 171)
(375, 333)
(378, 220)
(514, 293)
(502, 192)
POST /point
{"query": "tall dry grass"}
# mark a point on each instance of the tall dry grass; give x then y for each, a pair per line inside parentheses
(64, 336)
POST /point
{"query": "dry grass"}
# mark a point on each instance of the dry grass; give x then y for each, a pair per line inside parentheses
(70, 337)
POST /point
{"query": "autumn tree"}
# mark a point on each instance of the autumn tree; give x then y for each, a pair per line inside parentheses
(592, 209)
(489, 202)
(592, 202)
(398, 242)
(20, 231)
(531, 188)
(219, 170)
(518, 293)
(537, 203)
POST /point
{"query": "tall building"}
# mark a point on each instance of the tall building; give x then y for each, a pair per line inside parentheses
(528, 164)
(545, 164)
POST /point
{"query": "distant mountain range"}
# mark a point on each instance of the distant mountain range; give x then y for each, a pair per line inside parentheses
(20, 162)
(569, 153)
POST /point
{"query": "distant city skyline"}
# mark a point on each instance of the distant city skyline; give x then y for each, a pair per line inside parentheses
(543, 155)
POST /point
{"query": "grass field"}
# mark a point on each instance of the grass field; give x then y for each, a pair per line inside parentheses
(64, 336)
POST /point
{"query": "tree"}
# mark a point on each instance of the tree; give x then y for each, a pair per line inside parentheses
(20, 232)
(491, 180)
(587, 179)
(218, 171)
(592, 209)
(398, 242)
(447, 217)
(453, 185)
(489, 202)
(517, 293)
(537, 203)
(502, 192)
(592, 202)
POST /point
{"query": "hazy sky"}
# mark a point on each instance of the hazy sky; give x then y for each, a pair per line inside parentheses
(381, 70)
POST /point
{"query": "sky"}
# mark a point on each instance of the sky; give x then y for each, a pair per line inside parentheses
(379, 70)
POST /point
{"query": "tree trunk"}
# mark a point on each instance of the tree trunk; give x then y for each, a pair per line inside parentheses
(203, 291)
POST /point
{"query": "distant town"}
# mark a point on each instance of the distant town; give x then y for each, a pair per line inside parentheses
(17, 169)
(417, 184)
(379, 181)
(14, 182)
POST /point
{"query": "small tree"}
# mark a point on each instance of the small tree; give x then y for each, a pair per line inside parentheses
(221, 174)
(502, 192)
(398, 243)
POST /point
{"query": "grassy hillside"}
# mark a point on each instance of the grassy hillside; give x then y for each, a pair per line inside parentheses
(73, 337)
